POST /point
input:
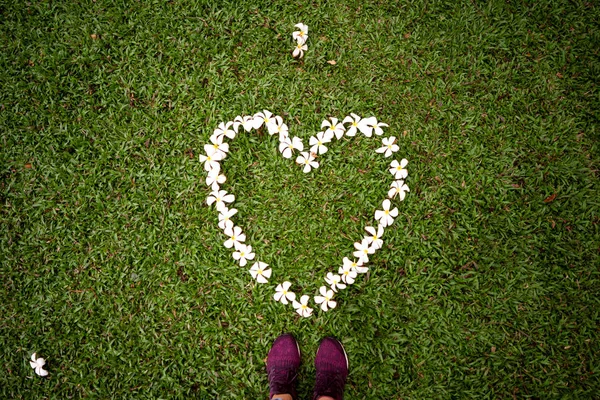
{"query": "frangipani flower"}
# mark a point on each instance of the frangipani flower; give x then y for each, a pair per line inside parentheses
(356, 266)
(260, 272)
(214, 179)
(217, 146)
(287, 146)
(325, 298)
(225, 215)
(211, 161)
(388, 146)
(243, 254)
(375, 239)
(246, 121)
(236, 236)
(224, 129)
(400, 188)
(397, 169)
(37, 364)
(302, 307)
(283, 294)
(348, 273)
(280, 128)
(308, 161)
(363, 250)
(265, 117)
(317, 142)
(356, 123)
(334, 281)
(302, 35)
(219, 198)
(299, 50)
(386, 216)
(334, 128)
(377, 127)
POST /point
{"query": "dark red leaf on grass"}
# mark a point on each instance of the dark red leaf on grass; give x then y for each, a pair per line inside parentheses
(550, 198)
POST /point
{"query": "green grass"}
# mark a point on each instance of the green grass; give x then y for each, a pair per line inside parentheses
(112, 265)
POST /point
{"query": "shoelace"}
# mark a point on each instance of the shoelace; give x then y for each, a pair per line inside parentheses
(329, 383)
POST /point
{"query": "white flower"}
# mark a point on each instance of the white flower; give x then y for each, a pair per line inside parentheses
(302, 308)
(280, 128)
(375, 239)
(308, 161)
(363, 250)
(287, 146)
(236, 236)
(334, 281)
(400, 188)
(348, 272)
(302, 35)
(37, 364)
(356, 266)
(317, 142)
(225, 215)
(219, 198)
(243, 254)
(265, 117)
(214, 179)
(334, 128)
(217, 146)
(325, 298)
(211, 161)
(283, 294)
(246, 121)
(386, 216)
(397, 169)
(377, 127)
(356, 123)
(299, 50)
(388, 146)
(260, 272)
(224, 129)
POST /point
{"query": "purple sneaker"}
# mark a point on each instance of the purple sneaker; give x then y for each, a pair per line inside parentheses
(331, 364)
(283, 362)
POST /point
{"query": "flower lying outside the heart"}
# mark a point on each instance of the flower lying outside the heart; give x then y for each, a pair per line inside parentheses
(302, 35)
(218, 149)
(302, 307)
(283, 294)
(37, 364)
(260, 272)
(325, 299)
(386, 216)
(299, 50)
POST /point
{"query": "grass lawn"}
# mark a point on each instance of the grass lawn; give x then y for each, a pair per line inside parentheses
(112, 266)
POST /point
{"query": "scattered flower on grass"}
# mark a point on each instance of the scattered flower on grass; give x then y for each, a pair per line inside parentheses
(325, 298)
(334, 128)
(389, 147)
(377, 127)
(386, 216)
(397, 169)
(224, 129)
(283, 294)
(211, 161)
(356, 124)
(308, 161)
(37, 364)
(217, 146)
(214, 179)
(302, 307)
(347, 272)
(260, 272)
(219, 198)
(281, 128)
(243, 254)
(236, 236)
(375, 239)
(265, 117)
(246, 121)
(357, 266)
(225, 215)
(335, 281)
(299, 50)
(302, 35)
(363, 250)
(287, 146)
(398, 188)
(317, 143)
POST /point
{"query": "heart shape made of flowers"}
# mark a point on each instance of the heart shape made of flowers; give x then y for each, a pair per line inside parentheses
(217, 150)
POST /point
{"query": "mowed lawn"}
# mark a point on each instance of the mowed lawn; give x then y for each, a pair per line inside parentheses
(112, 266)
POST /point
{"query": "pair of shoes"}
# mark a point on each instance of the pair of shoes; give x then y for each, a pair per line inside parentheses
(331, 364)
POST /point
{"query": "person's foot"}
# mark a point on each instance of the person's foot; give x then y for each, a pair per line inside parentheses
(331, 364)
(283, 363)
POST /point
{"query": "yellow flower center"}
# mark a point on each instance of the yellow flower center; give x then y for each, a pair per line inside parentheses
(266, 120)
(260, 271)
(355, 124)
(374, 237)
(304, 306)
(387, 212)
